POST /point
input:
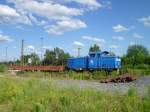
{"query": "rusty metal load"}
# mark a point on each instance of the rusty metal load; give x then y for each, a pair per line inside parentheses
(120, 79)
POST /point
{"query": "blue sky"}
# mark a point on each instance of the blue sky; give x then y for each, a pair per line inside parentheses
(69, 24)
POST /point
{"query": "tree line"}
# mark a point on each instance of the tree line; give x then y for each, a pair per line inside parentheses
(56, 56)
(136, 56)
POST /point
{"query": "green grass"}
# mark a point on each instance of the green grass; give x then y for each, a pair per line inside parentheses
(3, 68)
(139, 72)
(85, 75)
(136, 71)
(36, 95)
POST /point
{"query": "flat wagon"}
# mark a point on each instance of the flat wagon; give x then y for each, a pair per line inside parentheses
(37, 68)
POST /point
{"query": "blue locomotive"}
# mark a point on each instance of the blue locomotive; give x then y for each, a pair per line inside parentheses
(95, 61)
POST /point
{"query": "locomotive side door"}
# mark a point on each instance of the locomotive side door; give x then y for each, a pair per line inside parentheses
(93, 61)
(99, 65)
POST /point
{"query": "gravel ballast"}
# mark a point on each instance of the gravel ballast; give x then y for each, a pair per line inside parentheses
(141, 84)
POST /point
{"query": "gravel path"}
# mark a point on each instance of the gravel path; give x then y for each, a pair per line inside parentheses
(140, 84)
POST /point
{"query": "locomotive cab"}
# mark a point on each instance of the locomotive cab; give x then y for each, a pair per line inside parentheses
(103, 61)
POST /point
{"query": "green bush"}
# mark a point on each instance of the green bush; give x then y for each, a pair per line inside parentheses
(2, 68)
(98, 74)
(139, 72)
(20, 72)
(142, 66)
(78, 75)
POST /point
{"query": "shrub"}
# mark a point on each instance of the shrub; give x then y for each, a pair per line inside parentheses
(98, 74)
(2, 68)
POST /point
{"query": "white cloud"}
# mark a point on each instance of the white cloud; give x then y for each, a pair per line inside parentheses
(145, 21)
(120, 28)
(107, 4)
(118, 38)
(66, 25)
(48, 47)
(99, 40)
(33, 19)
(86, 4)
(5, 38)
(30, 47)
(10, 15)
(55, 16)
(48, 10)
(137, 36)
(78, 43)
(132, 43)
(91, 4)
(114, 46)
(7, 11)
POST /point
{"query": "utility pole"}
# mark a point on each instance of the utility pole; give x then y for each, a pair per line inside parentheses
(79, 48)
(6, 53)
(41, 48)
(22, 53)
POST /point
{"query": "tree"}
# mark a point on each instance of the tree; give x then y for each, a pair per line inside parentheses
(136, 54)
(35, 60)
(49, 57)
(94, 48)
(147, 60)
(61, 56)
(56, 56)
(135, 50)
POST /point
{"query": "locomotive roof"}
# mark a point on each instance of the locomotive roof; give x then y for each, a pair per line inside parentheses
(99, 52)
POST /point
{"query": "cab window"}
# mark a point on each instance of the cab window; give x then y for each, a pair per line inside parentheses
(92, 55)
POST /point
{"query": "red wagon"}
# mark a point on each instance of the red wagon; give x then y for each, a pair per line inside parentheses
(37, 68)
